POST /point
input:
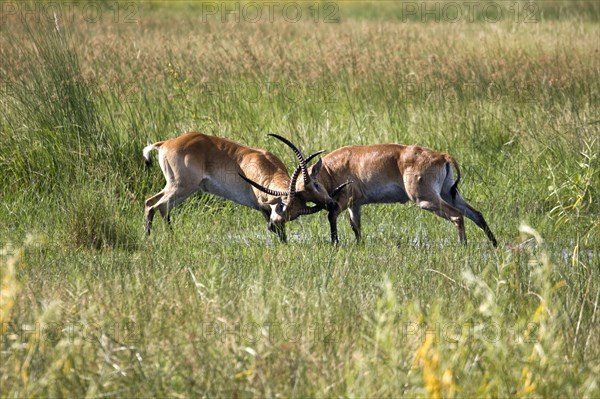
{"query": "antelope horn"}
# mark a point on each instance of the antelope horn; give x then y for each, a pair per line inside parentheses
(299, 169)
(298, 154)
(264, 189)
(339, 188)
(292, 191)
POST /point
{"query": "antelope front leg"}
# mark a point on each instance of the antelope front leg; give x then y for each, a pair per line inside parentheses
(341, 203)
(278, 229)
(332, 217)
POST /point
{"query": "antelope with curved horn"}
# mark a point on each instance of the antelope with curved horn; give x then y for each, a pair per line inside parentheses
(388, 173)
(310, 189)
(196, 162)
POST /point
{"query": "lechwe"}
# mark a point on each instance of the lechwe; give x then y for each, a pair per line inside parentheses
(388, 173)
(194, 162)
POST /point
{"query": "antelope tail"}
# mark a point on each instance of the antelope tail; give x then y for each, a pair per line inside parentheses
(454, 188)
(149, 148)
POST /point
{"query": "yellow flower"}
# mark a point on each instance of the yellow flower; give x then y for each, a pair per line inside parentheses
(10, 286)
(428, 358)
(526, 382)
(245, 373)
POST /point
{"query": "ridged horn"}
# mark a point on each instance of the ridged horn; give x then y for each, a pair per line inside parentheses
(292, 191)
(298, 154)
(264, 189)
(299, 169)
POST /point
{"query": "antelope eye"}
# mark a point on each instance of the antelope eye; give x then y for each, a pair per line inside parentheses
(316, 185)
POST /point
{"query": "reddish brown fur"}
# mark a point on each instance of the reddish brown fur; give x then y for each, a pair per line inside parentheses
(395, 173)
(196, 162)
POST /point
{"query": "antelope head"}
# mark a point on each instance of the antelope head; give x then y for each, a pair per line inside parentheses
(289, 205)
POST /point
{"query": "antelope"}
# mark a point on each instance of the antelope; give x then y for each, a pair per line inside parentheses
(195, 162)
(389, 173)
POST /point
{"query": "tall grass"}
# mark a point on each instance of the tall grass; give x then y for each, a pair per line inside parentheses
(216, 307)
(51, 101)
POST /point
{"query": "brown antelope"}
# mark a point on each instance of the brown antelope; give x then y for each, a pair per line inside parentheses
(195, 162)
(388, 173)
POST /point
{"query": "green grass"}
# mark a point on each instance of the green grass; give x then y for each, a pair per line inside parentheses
(90, 307)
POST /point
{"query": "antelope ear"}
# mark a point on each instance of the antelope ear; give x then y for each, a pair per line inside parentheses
(316, 169)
